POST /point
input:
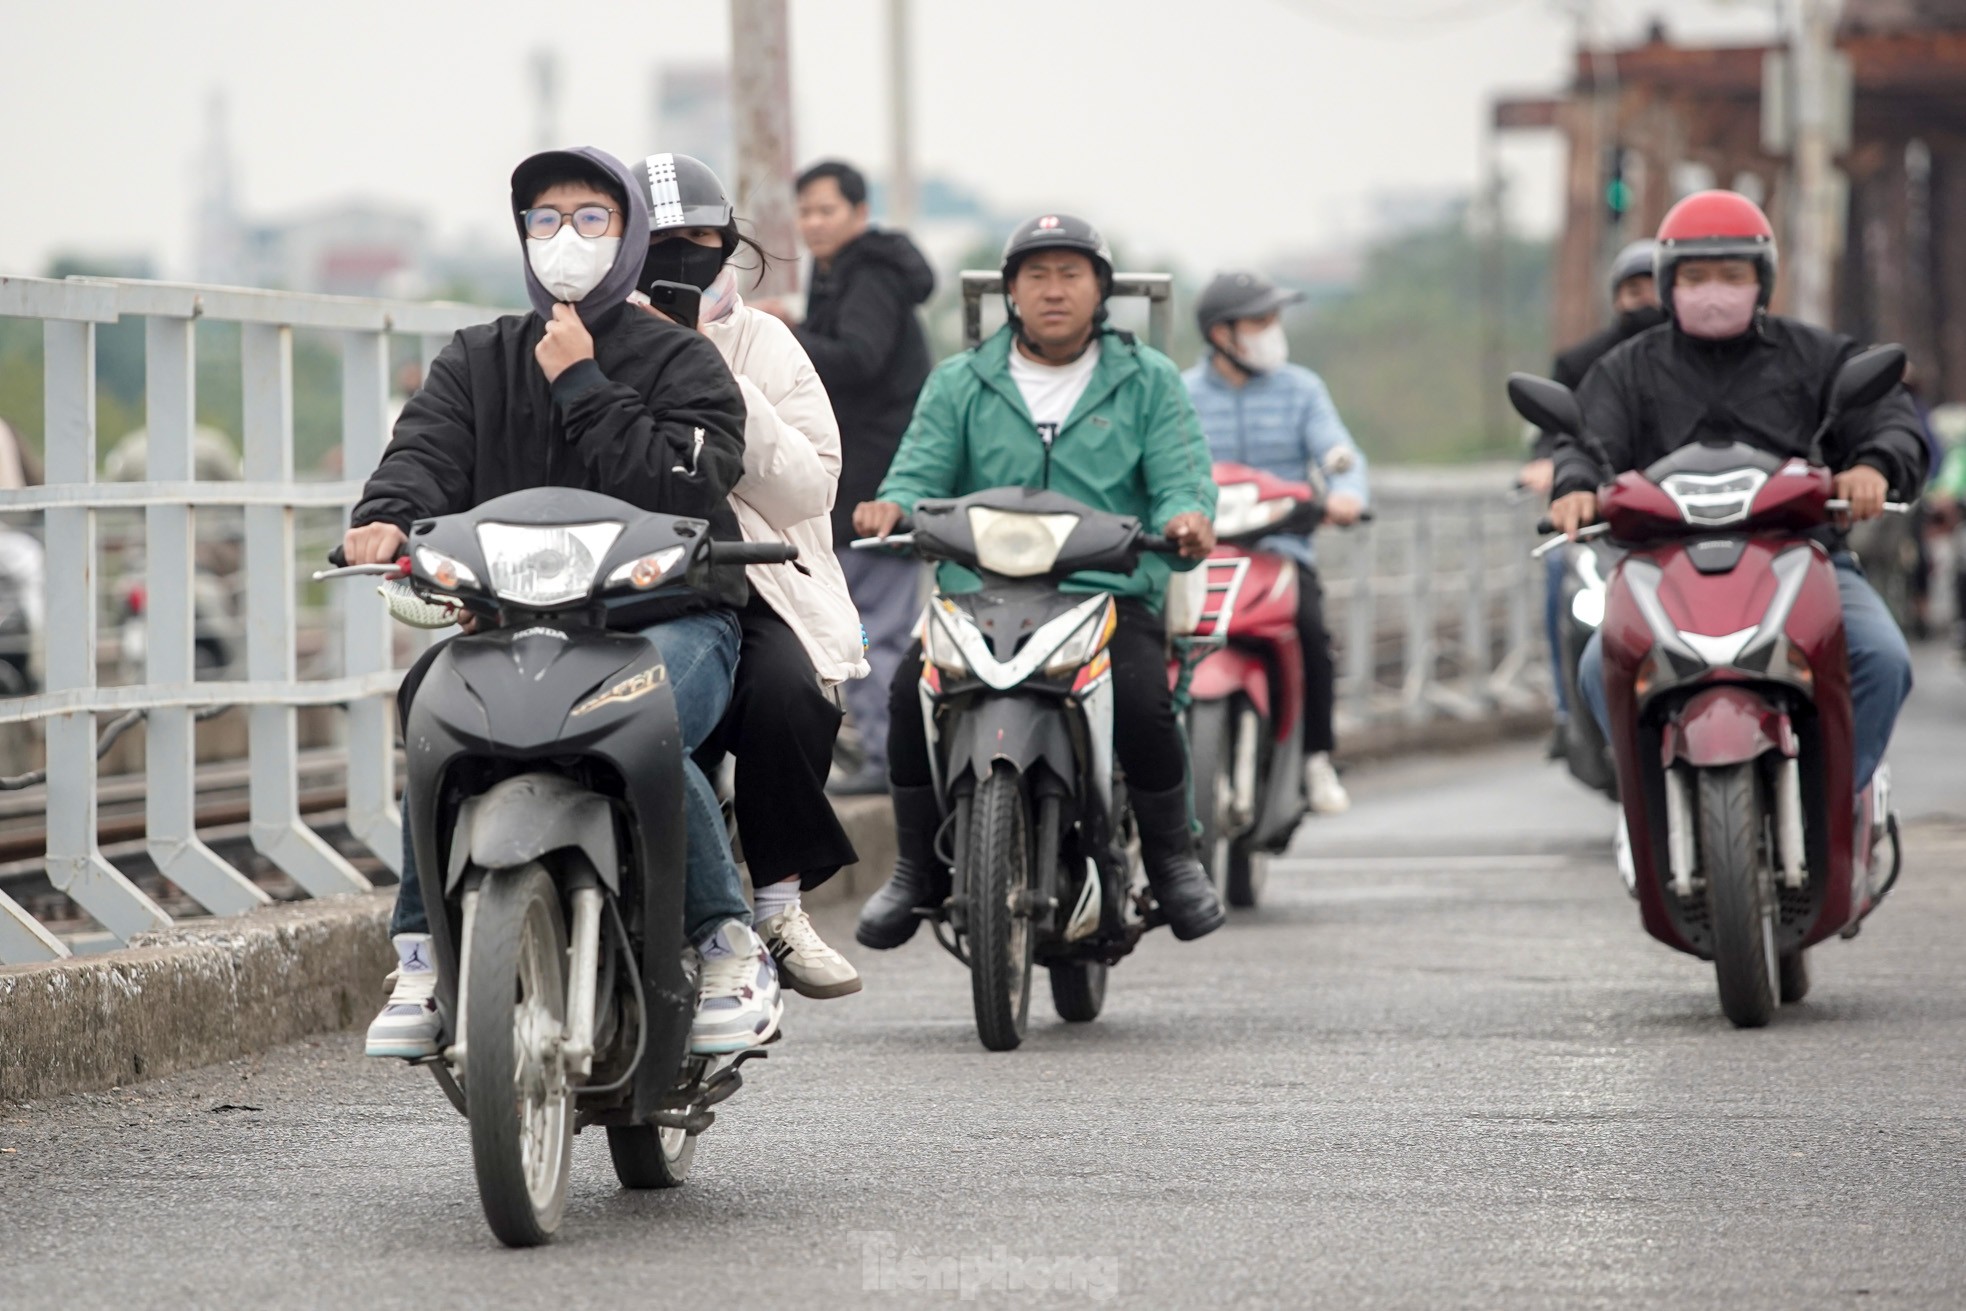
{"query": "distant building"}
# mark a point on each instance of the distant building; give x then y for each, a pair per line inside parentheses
(351, 248)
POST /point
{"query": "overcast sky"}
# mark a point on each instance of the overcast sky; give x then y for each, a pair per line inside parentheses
(1210, 131)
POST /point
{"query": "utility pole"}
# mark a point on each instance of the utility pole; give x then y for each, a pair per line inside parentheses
(901, 108)
(761, 124)
(1813, 222)
(1494, 291)
(546, 100)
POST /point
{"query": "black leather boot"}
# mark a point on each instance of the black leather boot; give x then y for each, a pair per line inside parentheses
(1167, 848)
(919, 883)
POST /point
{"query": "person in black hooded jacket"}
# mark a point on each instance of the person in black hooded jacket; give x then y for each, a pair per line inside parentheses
(586, 392)
(863, 337)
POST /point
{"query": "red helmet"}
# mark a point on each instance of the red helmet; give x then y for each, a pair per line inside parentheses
(1715, 225)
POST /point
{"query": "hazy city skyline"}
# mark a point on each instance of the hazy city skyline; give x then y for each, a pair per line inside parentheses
(1230, 132)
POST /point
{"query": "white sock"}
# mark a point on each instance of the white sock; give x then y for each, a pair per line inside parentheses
(413, 953)
(775, 899)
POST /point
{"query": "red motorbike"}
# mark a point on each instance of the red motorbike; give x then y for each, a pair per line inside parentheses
(1245, 697)
(1729, 695)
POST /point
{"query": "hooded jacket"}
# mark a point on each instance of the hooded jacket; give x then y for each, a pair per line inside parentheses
(655, 418)
(1131, 446)
(791, 472)
(862, 335)
(1770, 388)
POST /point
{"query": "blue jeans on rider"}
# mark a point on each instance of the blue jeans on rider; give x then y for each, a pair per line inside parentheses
(1554, 565)
(700, 651)
(1880, 668)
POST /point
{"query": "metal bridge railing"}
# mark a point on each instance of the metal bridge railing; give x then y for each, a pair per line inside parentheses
(71, 311)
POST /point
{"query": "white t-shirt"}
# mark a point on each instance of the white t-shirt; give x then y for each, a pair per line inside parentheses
(1050, 391)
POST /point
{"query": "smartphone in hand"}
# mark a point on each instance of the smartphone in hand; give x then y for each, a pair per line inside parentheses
(678, 300)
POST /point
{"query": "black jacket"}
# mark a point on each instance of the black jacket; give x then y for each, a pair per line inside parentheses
(1662, 390)
(870, 350)
(1573, 365)
(655, 419)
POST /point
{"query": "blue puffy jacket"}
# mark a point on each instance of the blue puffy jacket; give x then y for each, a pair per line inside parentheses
(1282, 423)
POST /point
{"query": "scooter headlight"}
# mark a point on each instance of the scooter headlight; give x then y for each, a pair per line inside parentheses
(542, 565)
(1018, 545)
(1588, 608)
(939, 644)
(1081, 646)
(1240, 510)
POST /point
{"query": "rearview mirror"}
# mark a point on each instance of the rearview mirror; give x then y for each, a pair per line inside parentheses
(1867, 378)
(1551, 406)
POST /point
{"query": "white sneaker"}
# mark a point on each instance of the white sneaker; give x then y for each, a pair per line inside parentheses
(738, 1005)
(805, 962)
(409, 1025)
(1328, 795)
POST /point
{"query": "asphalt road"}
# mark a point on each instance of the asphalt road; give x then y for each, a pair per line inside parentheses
(1442, 1066)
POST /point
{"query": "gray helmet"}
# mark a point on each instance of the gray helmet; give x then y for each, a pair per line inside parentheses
(1634, 261)
(684, 193)
(1239, 294)
(1058, 232)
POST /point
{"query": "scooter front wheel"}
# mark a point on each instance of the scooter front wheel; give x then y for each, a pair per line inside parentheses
(1740, 900)
(650, 1156)
(998, 881)
(1078, 990)
(515, 1013)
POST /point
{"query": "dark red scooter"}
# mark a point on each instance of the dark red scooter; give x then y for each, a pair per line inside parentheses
(1246, 697)
(1729, 694)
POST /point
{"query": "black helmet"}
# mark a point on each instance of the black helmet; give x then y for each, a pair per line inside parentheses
(1058, 232)
(1634, 261)
(684, 193)
(1240, 295)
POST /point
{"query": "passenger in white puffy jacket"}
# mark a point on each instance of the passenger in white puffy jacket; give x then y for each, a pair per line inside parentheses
(801, 633)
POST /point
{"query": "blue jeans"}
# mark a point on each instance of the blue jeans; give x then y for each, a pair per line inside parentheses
(700, 651)
(1880, 668)
(1555, 564)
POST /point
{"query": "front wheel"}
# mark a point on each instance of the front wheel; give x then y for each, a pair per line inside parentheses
(997, 883)
(649, 1156)
(1739, 898)
(520, 1106)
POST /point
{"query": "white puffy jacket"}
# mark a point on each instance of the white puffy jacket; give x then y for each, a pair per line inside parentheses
(791, 473)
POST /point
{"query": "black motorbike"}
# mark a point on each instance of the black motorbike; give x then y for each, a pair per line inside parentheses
(546, 774)
(1017, 685)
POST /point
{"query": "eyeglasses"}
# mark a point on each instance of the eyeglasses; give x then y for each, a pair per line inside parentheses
(588, 221)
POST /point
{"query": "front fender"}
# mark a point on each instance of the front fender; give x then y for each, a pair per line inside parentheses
(1230, 671)
(1023, 730)
(520, 819)
(1727, 725)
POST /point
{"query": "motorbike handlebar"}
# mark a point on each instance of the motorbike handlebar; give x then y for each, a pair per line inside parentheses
(1840, 506)
(893, 541)
(747, 553)
(399, 569)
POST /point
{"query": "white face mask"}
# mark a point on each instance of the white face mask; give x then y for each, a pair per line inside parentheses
(1265, 350)
(569, 265)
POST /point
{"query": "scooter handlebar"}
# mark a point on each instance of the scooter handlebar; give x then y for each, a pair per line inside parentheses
(747, 553)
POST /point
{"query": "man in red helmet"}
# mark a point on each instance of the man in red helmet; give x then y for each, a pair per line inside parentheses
(1723, 369)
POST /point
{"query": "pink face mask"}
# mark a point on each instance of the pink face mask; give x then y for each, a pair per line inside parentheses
(1715, 311)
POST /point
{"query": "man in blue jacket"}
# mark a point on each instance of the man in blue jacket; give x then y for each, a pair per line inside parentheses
(1259, 409)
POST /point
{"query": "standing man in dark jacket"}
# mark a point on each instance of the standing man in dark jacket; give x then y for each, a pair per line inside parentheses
(1725, 370)
(863, 336)
(588, 392)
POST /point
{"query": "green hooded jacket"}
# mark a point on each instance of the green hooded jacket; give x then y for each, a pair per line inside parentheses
(1131, 446)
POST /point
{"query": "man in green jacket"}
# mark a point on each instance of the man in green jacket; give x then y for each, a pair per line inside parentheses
(1057, 400)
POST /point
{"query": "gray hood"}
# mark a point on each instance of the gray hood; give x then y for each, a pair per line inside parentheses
(627, 268)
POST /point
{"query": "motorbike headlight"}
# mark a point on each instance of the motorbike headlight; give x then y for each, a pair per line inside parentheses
(939, 644)
(1081, 646)
(1588, 607)
(1711, 500)
(541, 565)
(447, 573)
(646, 572)
(1018, 545)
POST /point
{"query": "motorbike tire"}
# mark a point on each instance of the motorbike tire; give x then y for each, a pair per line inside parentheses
(1795, 977)
(1001, 939)
(1078, 990)
(521, 1145)
(649, 1156)
(1740, 900)
(1211, 755)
